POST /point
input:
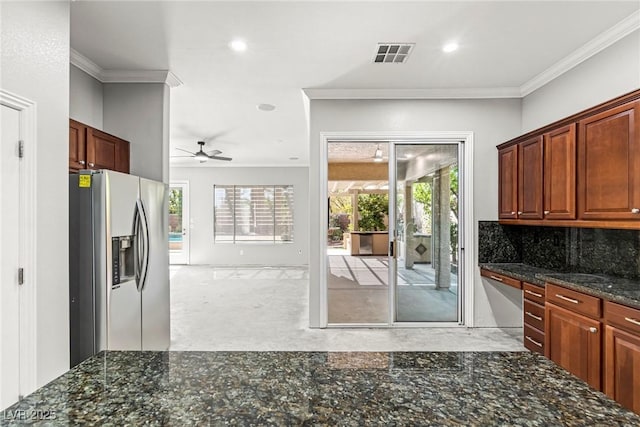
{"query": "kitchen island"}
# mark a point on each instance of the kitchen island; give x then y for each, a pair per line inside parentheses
(369, 243)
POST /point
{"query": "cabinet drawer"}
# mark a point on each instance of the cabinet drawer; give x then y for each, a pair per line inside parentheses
(622, 316)
(506, 280)
(533, 293)
(534, 315)
(575, 301)
(533, 339)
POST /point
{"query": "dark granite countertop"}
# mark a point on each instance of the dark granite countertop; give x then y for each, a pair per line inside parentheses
(317, 388)
(524, 272)
(617, 289)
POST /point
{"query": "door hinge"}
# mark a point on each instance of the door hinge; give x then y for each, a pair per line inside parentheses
(21, 149)
(20, 276)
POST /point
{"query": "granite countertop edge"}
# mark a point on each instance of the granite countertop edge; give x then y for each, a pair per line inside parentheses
(539, 276)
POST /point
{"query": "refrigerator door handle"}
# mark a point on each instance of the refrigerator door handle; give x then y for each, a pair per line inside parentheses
(144, 222)
(137, 245)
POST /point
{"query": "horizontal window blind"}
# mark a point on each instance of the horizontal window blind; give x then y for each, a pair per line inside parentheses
(253, 213)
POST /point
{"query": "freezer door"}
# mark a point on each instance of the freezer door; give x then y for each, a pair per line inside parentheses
(155, 289)
(123, 301)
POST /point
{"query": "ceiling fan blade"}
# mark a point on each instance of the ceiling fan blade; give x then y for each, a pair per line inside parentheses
(193, 154)
(215, 136)
(214, 153)
(175, 157)
(226, 159)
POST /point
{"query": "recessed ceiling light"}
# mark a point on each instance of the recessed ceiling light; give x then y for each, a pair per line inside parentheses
(450, 47)
(266, 107)
(238, 45)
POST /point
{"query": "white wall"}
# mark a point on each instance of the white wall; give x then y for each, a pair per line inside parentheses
(139, 113)
(612, 72)
(492, 121)
(35, 64)
(204, 251)
(85, 98)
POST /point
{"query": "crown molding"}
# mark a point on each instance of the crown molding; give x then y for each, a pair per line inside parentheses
(85, 64)
(444, 93)
(122, 76)
(141, 76)
(586, 51)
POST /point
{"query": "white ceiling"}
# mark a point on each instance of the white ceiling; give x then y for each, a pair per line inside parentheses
(323, 45)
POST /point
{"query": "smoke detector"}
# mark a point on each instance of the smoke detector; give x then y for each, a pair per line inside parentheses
(396, 53)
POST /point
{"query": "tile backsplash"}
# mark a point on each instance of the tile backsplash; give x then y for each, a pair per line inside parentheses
(584, 250)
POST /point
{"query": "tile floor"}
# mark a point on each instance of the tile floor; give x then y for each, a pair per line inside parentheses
(359, 292)
(265, 309)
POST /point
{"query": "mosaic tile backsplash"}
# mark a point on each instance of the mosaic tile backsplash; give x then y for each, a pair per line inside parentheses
(581, 250)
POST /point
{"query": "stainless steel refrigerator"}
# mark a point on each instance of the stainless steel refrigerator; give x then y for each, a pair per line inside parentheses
(118, 263)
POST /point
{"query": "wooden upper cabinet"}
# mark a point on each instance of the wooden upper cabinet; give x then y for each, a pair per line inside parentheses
(609, 164)
(560, 173)
(77, 146)
(91, 148)
(105, 151)
(530, 174)
(574, 342)
(508, 182)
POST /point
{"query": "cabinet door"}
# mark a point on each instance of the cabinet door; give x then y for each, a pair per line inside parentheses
(573, 341)
(609, 164)
(622, 367)
(530, 179)
(122, 156)
(560, 173)
(102, 150)
(508, 182)
(77, 146)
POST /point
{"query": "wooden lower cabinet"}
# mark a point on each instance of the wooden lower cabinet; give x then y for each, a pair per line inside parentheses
(574, 342)
(622, 367)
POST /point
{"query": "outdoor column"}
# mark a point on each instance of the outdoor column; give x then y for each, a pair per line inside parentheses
(409, 226)
(441, 229)
(354, 209)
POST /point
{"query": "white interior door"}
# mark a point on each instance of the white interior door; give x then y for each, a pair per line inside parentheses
(9, 257)
(179, 223)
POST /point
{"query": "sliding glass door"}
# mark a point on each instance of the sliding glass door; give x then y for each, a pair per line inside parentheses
(426, 204)
(393, 233)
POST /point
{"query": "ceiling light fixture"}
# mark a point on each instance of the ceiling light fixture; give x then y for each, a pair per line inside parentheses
(450, 47)
(377, 157)
(238, 45)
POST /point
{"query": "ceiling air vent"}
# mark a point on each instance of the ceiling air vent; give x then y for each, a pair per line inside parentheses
(392, 52)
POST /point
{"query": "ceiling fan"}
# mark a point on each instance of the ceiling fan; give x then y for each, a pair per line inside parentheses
(202, 156)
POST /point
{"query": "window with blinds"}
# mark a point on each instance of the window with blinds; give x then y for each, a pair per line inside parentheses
(253, 213)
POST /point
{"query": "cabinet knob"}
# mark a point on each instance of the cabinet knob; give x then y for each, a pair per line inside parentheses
(519, 212)
(91, 164)
(81, 162)
(593, 330)
(513, 212)
(547, 212)
(635, 210)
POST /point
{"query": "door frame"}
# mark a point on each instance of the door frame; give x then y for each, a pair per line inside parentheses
(28, 233)
(186, 220)
(467, 247)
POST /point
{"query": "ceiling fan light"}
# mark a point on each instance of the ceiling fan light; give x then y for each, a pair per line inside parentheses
(201, 155)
